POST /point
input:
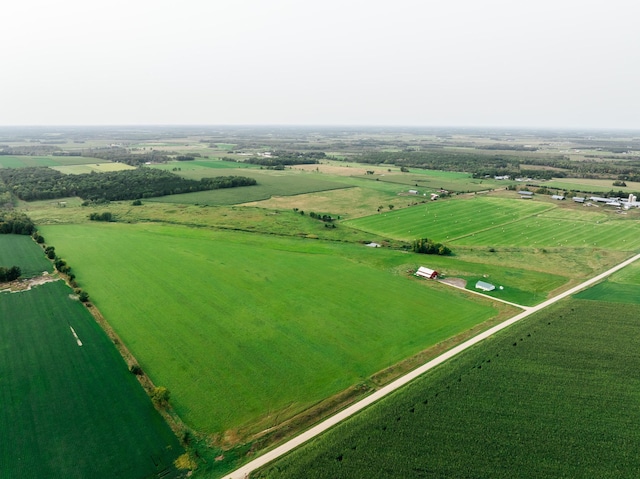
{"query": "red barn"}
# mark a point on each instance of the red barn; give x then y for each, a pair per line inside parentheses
(427, 273)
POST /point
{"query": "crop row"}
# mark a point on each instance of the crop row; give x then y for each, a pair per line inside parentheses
(550, 397)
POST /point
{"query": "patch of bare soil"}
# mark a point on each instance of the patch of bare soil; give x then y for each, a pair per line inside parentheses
(458, 282)
(26, 284)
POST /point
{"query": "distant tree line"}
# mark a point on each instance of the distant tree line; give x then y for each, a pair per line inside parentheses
(41, 183)
(287, 158)
(35, 149)
(125, 155)
(427, 246)
(498, 164)
(16, 223)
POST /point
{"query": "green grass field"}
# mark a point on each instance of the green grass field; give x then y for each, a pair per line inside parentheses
(567, 229)
(612, 292)
(621, 287)
(270, 183)
(443, 221)
(553, 396)
(71, 411)
(239, 326)
(7, 161)
(504, 222)
(22, 251)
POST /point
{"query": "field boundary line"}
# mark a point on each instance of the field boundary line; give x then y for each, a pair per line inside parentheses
(244, 471)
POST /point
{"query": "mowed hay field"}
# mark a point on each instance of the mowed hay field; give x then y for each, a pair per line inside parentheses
(444, 221)
(503, 222)
(22, 251)
(244, 328)
(71, 411)
(553, 396)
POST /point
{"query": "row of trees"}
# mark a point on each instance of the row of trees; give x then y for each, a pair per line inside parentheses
(498, 164)
(16, 223)
(44, 183)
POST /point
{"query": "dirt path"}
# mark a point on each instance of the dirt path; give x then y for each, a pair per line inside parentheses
(26, 284)
(243, 472)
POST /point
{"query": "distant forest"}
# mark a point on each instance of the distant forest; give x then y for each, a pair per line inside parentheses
(287, 158)
(492, 164)
(43, 183)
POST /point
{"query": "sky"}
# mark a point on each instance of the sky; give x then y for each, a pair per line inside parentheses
(486, 63)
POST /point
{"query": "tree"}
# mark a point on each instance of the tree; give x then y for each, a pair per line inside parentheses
(9, 274)
(391, 207)
(160, 396)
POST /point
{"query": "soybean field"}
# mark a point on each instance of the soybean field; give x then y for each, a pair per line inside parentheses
(71, 408)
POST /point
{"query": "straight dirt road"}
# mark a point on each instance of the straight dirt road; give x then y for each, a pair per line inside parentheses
(244, 471)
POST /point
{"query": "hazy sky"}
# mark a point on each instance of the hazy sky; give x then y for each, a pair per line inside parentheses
(543, 63)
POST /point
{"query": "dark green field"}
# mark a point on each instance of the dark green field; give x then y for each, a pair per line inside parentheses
(554, 396)
(71, 411)
(22, 251)
(613, 292)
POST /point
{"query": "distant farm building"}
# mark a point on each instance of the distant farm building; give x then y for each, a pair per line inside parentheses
(525, 194)
(503, 177)
(434, 196)
(485, 286)
(557, 197)
(426, 273)
(373, 245)
(599, 199)
(578, 199)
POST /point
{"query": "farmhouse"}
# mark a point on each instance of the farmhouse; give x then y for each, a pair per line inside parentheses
(434, 196)
(426, 273)
(557, 197)
(485, 286)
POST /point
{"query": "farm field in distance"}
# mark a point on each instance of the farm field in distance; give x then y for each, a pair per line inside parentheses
(444, 221)
(9, 161)
(552, 396)
(263, 311)
(72, 409)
